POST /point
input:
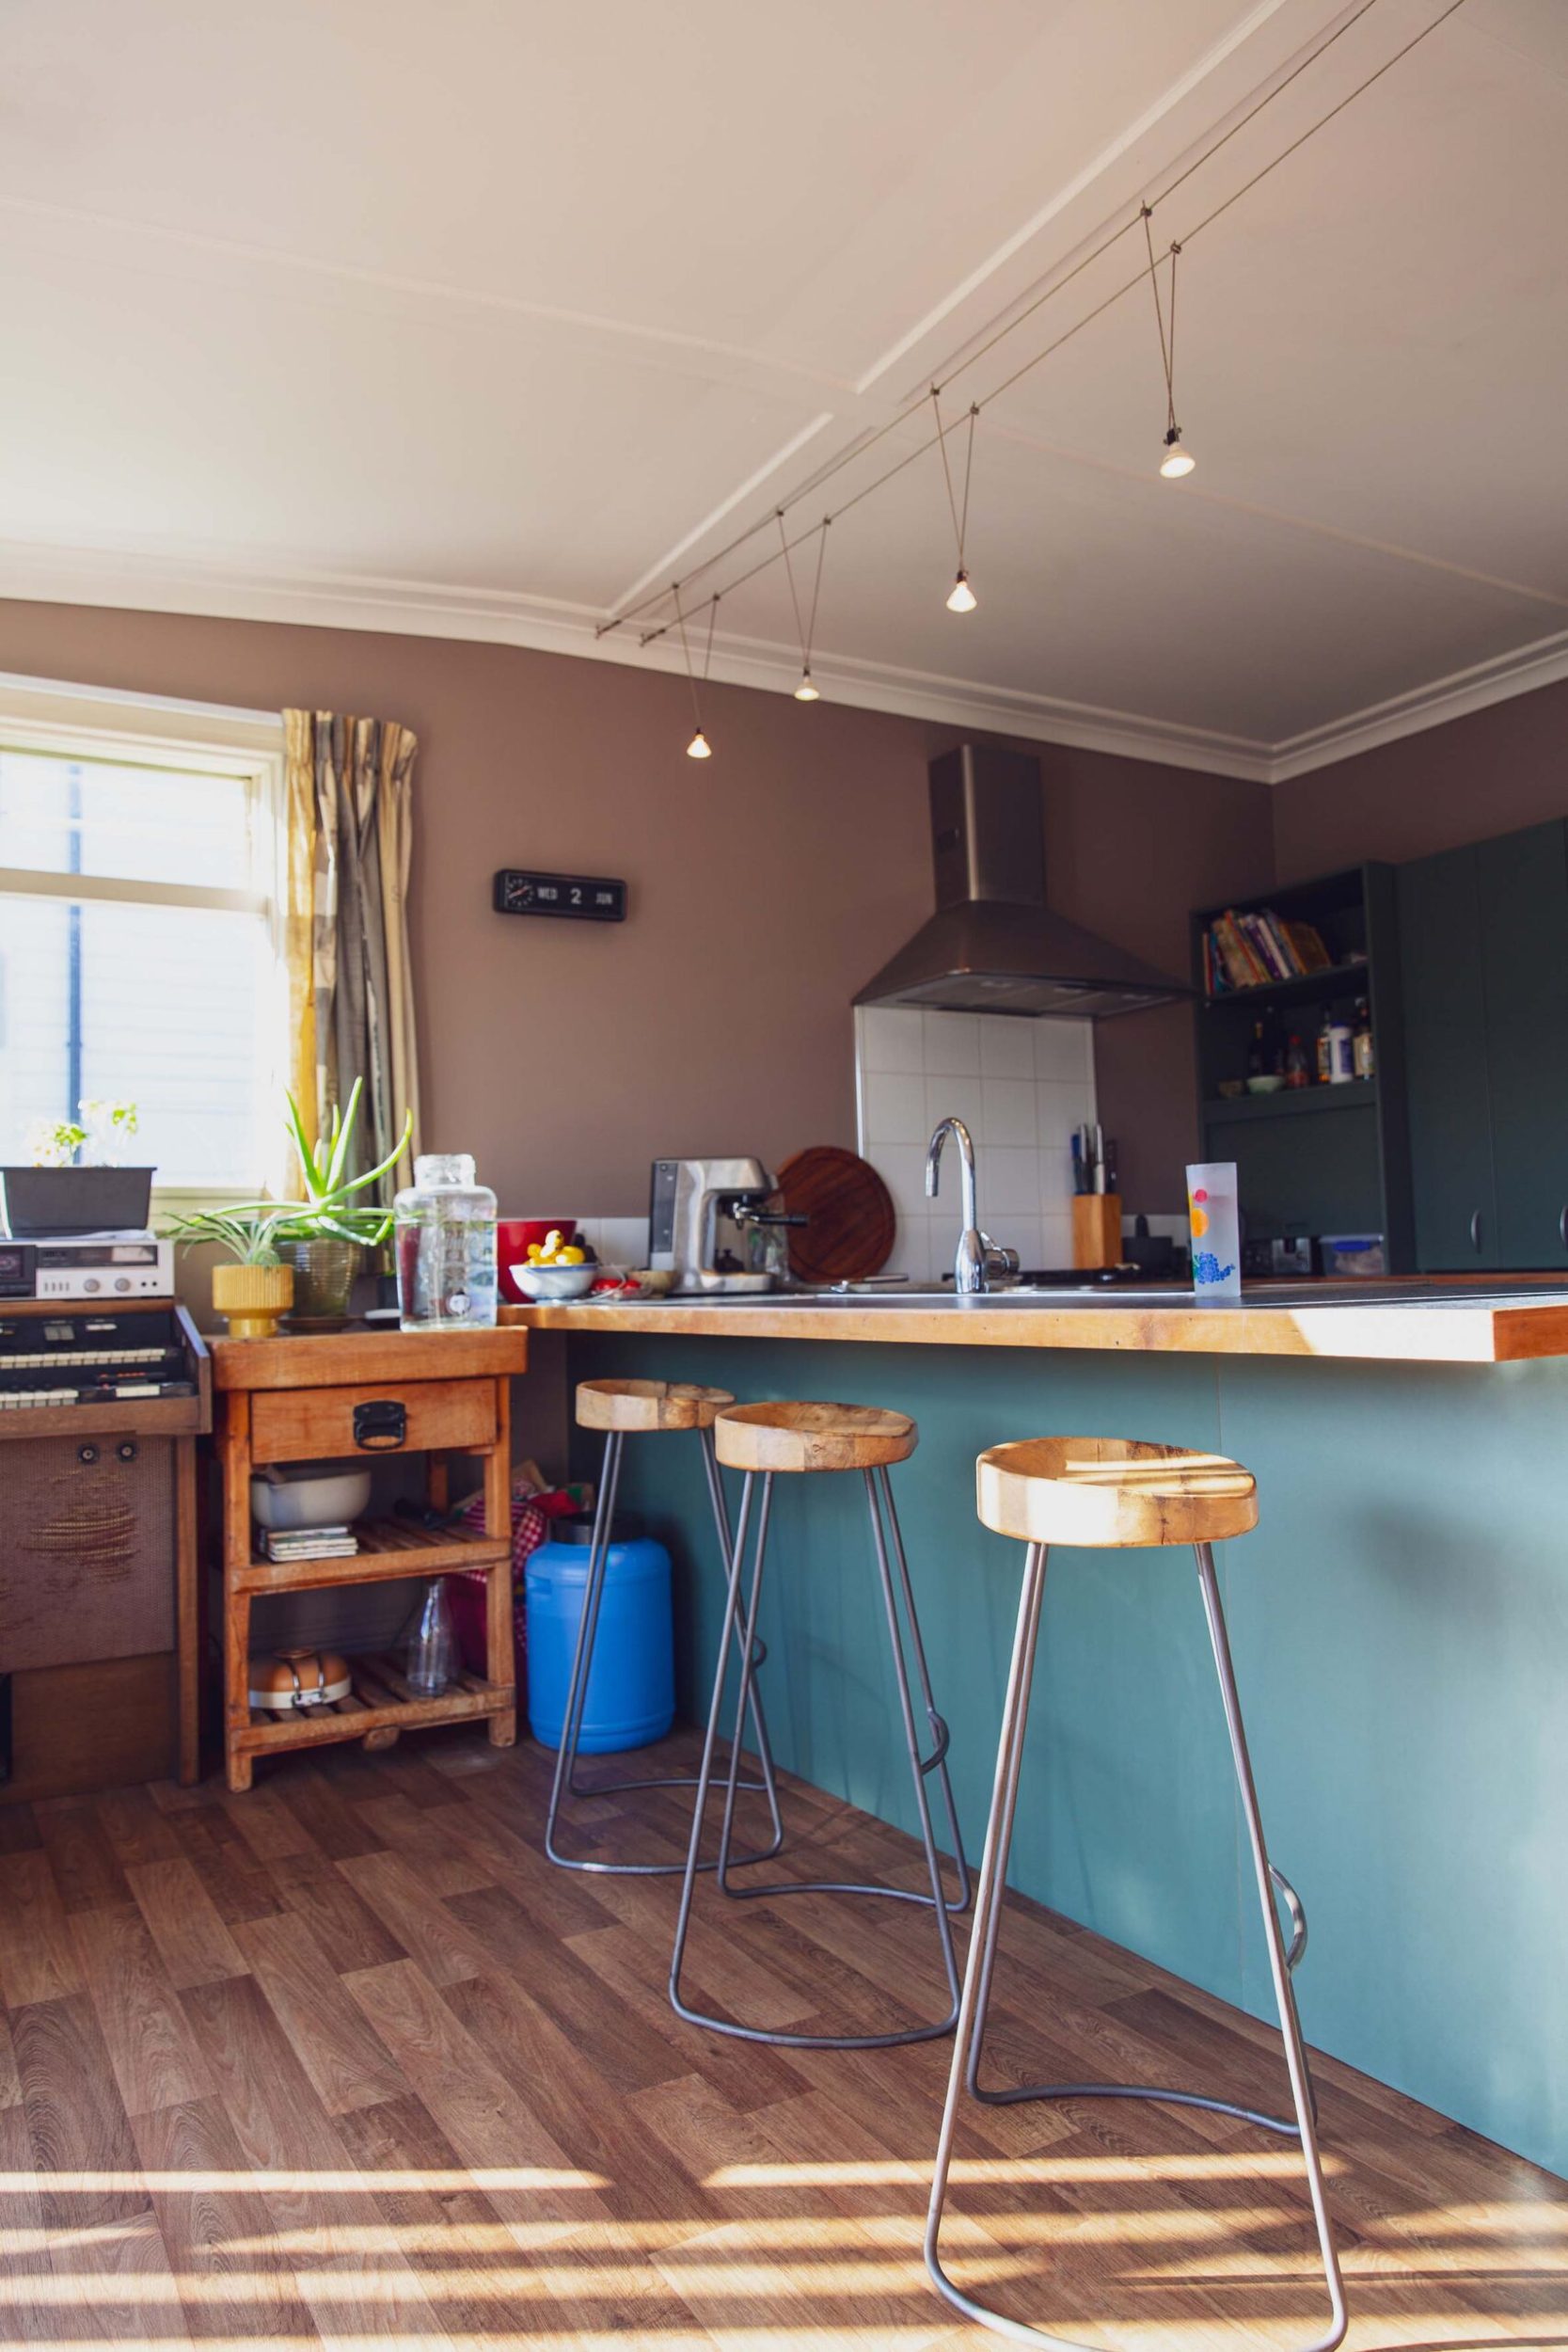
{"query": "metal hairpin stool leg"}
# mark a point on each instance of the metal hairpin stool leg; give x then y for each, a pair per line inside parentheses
(621, 1408)
(764, 1440)
(1110, 1493)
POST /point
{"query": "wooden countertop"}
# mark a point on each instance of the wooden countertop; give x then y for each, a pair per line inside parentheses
(1431, 1321)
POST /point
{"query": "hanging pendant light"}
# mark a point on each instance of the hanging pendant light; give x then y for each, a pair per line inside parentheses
(806, 629)
(1175, 461)
(960, 598)
(699, 747)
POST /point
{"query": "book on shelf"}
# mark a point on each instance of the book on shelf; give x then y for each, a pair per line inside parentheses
(1252, 950)
(309, 1543)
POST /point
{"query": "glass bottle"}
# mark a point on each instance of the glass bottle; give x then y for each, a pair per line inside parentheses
(1361, 1043)
(430, 1659)
(1296, 1071)
(444, 1234)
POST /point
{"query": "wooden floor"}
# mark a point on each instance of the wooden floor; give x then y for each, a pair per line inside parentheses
(344, 2062)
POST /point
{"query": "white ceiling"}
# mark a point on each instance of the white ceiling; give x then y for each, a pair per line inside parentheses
(492, 319)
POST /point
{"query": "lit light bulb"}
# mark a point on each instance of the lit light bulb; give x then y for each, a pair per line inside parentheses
(963, 598)
(806, 692)
(1176, 461)
(699, 747)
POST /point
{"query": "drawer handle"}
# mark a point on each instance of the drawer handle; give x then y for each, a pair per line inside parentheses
(382, 1426)
(1562, 1228)
(1474, 1230)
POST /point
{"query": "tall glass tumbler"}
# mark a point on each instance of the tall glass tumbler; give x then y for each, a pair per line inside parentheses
(1216, 1228)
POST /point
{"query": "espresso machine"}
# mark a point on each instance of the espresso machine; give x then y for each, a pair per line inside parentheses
(718, 1225)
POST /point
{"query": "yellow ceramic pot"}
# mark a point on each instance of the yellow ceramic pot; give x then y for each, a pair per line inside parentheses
(251, 1298)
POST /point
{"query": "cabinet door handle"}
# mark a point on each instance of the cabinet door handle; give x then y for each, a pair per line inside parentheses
(1475, 1228)
(1562, 1227)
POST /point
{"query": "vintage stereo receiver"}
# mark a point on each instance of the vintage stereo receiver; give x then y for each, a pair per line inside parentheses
(110, 1266)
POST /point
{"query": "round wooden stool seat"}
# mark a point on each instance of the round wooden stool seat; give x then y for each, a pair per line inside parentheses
(639, 1404)
(1112, 1493)
(791, 1436)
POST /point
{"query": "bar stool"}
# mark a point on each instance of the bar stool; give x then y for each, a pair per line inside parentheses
(623, 1408)
(764, 1441)
(1117, 1493)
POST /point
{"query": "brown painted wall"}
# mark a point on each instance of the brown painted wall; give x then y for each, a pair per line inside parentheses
(1489, 772)
(766, 887)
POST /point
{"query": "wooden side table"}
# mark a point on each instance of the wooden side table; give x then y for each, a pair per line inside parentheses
(367, 1392)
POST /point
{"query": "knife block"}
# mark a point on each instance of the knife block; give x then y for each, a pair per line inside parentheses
(1096, 1228)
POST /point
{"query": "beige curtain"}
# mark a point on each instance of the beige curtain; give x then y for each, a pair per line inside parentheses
(351, 1004)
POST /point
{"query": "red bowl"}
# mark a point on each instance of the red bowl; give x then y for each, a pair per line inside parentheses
(513, 1236)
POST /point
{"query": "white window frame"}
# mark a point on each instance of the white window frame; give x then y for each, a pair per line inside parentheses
(99, 723)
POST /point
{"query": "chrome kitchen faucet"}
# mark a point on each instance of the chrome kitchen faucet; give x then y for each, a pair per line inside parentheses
(979, 1256)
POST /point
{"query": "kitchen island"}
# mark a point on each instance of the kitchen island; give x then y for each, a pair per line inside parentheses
(1399, 1621)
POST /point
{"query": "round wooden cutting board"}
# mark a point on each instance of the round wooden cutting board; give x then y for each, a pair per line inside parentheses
(853, 1224)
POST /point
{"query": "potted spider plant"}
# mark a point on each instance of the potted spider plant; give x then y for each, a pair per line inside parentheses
(299, 1255)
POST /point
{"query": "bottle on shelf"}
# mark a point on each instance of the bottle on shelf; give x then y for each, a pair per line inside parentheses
(1297, 1073)
(1361, 1043)
(1257, 1053)
(1342, 1053)
(1323, 1069)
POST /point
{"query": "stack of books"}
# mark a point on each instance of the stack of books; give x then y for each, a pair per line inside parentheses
(1250, 950)
(308, 1543)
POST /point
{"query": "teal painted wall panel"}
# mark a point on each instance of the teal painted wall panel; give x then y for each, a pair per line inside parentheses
(1399, 1621)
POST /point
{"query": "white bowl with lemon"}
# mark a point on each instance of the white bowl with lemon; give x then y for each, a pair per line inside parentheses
(554, 1269)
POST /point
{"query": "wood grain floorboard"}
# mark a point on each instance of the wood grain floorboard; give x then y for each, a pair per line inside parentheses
(77, 2128)
(195, 1946)
(347, 2063)
(236, 2283)
(37, 1959)
(346, 1928)
(237, 1885)
(85, 1866)
(327, 2031)
(487, 2121)
(150, 2046)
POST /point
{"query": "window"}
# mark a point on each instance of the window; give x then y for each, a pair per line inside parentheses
(140, 861)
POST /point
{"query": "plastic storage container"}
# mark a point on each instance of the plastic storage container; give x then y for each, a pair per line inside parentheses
(631, 1685)
(445, 1241)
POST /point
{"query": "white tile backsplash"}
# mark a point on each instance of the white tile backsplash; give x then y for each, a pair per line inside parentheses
(893, 1106)
(890, 1038)
(1008, 1110)
(1006, 1047)
(953, 1045)
(1020, 1087)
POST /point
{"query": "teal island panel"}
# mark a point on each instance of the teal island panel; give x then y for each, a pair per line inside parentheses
(1399, 1620)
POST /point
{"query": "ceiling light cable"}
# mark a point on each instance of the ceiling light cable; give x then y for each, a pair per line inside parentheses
(848, 457)
(961, 597)
(1128, 285)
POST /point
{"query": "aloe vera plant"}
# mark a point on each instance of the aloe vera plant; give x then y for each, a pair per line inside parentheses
(250, 1230)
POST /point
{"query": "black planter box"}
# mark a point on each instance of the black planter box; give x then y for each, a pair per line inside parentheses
(37, 1203)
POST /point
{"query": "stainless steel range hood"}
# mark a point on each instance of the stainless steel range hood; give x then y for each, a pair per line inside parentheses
(993, 945)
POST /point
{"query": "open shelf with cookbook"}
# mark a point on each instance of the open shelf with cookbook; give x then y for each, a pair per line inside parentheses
(1273, 972)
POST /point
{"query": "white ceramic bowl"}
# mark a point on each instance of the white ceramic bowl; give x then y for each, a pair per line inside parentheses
(329, 1501)
(555, 1282)
(1270, 1083)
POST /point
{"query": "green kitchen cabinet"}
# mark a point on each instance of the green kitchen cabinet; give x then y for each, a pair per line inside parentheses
(1483, 933)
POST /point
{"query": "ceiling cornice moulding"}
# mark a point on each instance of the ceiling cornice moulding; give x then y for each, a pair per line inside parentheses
(37, 574)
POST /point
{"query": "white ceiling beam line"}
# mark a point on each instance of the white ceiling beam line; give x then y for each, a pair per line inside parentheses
(668, 563)
(1097, 170)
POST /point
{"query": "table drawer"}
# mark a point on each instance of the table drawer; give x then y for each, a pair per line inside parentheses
(300, 1424)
